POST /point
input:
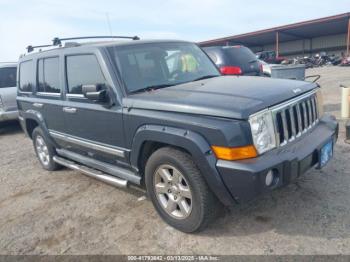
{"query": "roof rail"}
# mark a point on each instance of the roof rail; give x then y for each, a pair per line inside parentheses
(31, 48)
(58, 41)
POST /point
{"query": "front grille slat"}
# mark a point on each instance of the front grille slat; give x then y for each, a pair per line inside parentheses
(310, 112)
(300, 128)
(278, 130)
(295, 118)
(284, 126)
(292, 122)
(313, 102)
(304, 115)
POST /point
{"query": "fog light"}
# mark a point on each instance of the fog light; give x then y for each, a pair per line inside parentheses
(269, 178)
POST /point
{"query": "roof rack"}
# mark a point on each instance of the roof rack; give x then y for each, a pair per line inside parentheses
(31, 48)
(58, 41)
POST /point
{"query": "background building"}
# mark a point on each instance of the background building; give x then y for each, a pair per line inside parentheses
(330, 34)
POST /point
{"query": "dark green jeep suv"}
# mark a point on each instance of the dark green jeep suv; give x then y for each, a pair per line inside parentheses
(159, 115)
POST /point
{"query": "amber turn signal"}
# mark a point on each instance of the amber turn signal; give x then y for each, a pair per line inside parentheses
(234, 153)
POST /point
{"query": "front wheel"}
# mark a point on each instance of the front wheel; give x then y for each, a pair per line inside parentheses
(178, 191)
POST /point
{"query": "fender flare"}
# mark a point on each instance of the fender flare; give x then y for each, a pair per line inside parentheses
(37, 117)
(192, 142)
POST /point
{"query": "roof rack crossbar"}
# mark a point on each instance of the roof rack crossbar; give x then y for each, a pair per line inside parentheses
(58, 41)
(31, 48)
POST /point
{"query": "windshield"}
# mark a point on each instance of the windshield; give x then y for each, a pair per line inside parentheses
(161, 64)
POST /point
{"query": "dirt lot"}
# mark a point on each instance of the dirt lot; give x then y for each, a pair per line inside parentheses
(66, 212)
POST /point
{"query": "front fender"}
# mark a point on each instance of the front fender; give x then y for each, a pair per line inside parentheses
(192, 142)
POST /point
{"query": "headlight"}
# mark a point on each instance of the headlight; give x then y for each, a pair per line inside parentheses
(319, 98)
(263, 132)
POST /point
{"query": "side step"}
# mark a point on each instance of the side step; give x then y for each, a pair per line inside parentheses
(114, 181)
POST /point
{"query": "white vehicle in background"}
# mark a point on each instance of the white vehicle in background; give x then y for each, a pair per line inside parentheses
(266, 68)
(8, 92)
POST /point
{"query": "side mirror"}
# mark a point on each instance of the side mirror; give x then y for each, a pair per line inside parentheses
(96, 93)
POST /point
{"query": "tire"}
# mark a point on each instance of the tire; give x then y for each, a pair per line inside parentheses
(195, 205)
(44, 150)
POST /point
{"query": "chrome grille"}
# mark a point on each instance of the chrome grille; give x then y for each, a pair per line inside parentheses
(294, 118)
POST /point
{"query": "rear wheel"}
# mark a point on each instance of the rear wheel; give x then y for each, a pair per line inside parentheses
(44, 150)
(178, 191)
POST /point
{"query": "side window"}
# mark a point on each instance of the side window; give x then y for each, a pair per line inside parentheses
(48, 75)
(26, 76)
(82, 70)
(8, 77)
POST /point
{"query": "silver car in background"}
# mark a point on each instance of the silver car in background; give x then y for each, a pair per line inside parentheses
(8, 92)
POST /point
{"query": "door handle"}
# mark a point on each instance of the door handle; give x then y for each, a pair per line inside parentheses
(70, 110)
(38, 105)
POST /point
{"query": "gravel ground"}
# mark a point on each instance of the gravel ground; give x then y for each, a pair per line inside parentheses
(66, 212)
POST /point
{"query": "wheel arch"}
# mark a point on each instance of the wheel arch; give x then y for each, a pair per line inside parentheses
(149, 138)
(30, 125)
(33, 119)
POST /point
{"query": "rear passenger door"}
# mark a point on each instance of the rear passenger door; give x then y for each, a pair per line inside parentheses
(49, 91)
(94, 129)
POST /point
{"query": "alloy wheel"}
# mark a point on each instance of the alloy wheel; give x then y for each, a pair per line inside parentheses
(173, 192)
(42, 150)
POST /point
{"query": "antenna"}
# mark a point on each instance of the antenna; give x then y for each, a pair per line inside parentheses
(109, 24)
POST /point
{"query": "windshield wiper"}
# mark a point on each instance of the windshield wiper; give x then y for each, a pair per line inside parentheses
(150, 88)
(205, 77)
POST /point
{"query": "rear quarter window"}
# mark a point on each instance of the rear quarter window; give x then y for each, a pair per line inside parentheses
(26, 76)
(8, 77)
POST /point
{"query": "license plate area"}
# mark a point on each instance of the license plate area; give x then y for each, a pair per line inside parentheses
(326, 153)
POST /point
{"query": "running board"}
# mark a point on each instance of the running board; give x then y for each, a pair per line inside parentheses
(111, 170)
(114, 181)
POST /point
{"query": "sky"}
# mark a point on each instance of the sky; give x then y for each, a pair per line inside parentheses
(35, 22)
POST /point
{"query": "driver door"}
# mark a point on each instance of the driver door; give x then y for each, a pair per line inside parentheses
(93, 129)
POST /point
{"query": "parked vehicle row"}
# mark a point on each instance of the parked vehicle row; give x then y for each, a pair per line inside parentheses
(160, 115)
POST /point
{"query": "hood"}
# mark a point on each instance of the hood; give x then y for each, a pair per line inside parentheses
(225, 96)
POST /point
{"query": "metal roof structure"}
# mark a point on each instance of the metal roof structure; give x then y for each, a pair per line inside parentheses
(332, 25)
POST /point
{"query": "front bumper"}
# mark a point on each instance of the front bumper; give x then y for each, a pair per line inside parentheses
(246, 179)
(8, 115)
